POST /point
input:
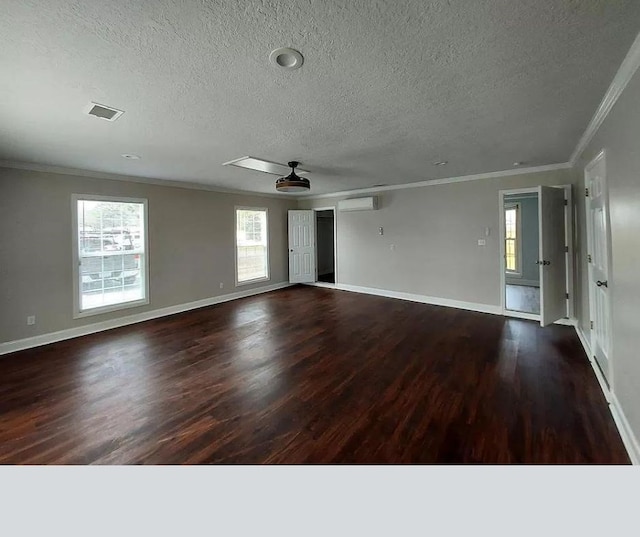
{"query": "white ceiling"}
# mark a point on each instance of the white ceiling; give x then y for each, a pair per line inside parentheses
(386, 89)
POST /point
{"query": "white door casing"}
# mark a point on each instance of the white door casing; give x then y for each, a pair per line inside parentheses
(552, 258)
(598, 262)
(302, 247)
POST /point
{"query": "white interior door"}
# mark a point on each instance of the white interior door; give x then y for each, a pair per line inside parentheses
(598, 257)
(552, 262)
(302, 247)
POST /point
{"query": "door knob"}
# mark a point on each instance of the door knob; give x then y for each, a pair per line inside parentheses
(602, 284)
(546, 262)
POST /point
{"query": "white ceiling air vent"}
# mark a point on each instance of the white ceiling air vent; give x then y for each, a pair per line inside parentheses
(103, 112)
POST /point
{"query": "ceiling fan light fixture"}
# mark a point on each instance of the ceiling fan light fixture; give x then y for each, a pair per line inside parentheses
(293, 183)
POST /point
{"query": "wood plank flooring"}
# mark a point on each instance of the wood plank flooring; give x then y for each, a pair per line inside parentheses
(309, 375)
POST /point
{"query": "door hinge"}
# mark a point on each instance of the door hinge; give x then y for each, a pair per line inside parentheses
(566, 249)
(566, 202)
(566, 295)
(588, 258)
(586, 192)
(591, 323)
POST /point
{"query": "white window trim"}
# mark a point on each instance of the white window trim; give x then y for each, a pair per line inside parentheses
(235, 245)
(518, 272)
(75, 259)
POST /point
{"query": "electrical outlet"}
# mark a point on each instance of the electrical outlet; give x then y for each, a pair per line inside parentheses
(482, 242)
(31, 320)
(392, 247)
(221, 285)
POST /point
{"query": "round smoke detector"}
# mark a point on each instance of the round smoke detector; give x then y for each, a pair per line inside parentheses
(286, 58)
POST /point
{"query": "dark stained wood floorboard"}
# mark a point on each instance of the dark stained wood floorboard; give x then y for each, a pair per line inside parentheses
(309, 375)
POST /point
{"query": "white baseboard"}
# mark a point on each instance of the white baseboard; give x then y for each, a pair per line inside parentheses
(536, 317)
(322, 284)
(52, 337)
(437, 301)
(596, 370)
(434, 301)
(626, 433)
(624, 429)
(521, 315)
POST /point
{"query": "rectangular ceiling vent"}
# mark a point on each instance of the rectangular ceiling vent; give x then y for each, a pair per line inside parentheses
(103, 112)
(266, 166)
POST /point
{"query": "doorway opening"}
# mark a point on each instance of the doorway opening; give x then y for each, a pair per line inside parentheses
(522, 240)
(325, 246)
(536, 264)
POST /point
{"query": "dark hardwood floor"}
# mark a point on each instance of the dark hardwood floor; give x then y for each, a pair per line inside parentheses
(309, 375)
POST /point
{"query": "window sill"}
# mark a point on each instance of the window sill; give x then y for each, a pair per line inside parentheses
(109, 309)
(249, 282)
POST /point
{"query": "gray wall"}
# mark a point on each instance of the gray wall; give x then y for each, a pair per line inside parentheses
(620, 136)
(530, 240)
(434, 231)
(324, 223)
(191, 246)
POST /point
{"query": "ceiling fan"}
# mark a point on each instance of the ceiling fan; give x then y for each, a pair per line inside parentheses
(293, 183)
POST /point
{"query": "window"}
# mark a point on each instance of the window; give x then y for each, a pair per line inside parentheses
(512, 248)
(110, 254)
(252, 248)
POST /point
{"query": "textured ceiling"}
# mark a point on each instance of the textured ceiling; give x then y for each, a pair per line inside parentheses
(386, 89)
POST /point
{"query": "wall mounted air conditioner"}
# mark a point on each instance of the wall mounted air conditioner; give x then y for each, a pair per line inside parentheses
(359, 204)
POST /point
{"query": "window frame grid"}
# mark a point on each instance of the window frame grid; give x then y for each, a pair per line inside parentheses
(79, 313)
(517, 242)
(235, 245)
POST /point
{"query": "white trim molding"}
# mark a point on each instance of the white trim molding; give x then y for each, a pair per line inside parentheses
(52, 337)
(326, 285)
(266, 278)
(423, 299)
(76, 259)
(437, 301)
(446, 180)
(596, 370)
(624, 429)
(626, 433)
(625, 73)
(190, 185)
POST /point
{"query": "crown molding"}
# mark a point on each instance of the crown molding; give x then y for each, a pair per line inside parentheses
(46, 168)
(434, 182)
(625, 73)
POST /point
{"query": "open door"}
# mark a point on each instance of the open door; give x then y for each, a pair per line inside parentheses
(302, 247)
(552, 262)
